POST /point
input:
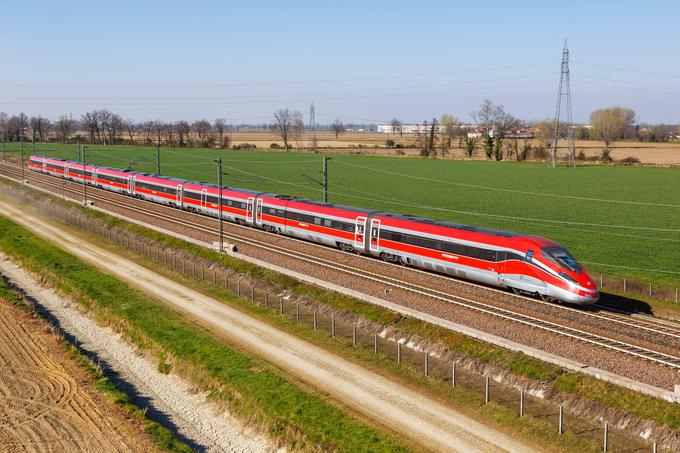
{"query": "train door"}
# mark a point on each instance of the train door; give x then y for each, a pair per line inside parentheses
(500, 267)
(375, 235)
(178, 196)
(204, 196)
(359, 230)
(66, 175)
(249, 212)
(94, 176)
(258, 211)
(44, 169)
(131, 184)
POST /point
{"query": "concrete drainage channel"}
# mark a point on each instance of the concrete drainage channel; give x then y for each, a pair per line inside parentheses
(383, 341)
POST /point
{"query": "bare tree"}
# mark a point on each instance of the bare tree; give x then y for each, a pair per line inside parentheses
(610, 125)
(337, 127)
(544, 131)
(89, 120)
(203, 130)
(131, 128)
(450, 128)
(147, 128)
(298, 128)
(169, 134)
(4, 119)
(65, 126)
(494, 124)
(183, 130)
(39, 127)
(220, 126)
(283, 122)
(397, 127)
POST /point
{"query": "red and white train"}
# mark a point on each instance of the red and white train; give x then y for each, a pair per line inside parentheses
(523, 263)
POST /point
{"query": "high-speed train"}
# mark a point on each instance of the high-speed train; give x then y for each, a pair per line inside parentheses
(523, 263)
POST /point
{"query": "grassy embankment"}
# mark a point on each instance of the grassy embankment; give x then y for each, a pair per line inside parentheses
(252, 388)
(618, 220)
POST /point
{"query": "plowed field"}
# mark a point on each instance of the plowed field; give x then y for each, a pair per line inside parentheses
(44, 407)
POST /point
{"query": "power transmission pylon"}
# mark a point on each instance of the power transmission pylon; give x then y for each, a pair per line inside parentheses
(312, 128)
(564, 127)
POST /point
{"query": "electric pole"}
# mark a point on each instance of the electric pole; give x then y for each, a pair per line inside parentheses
(219, 201)
(22, 156)
(84, 178)
(324, 182)
(312, 128)
(325, 178)
(158, 159)
(564, 129)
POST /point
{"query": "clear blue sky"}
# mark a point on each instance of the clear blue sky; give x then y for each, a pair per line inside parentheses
(355, 60)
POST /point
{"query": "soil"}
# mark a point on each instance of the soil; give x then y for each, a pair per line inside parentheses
(47, 403)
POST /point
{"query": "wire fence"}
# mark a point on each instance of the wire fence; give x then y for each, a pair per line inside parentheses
(448, 375)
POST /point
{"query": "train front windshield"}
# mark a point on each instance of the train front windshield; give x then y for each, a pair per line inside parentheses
(562, 258)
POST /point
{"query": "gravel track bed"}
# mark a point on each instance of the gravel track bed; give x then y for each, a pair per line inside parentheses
(619, 363)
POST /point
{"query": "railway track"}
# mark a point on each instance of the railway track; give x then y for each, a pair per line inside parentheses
(527, 320)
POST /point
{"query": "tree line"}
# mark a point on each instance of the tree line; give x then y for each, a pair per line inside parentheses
(495, 131)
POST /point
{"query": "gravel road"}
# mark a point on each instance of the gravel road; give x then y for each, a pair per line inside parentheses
(429, 423)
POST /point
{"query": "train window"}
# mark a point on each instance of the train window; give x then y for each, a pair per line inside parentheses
(317, 221)
(327, 222)
(561, 257)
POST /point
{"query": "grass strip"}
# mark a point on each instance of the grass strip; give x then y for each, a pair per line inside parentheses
(253, 388)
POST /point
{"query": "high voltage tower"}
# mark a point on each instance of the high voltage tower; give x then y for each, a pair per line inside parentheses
(564, 127)
(312, 128)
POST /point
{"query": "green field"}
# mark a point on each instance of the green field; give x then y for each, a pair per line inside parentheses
(617, 220)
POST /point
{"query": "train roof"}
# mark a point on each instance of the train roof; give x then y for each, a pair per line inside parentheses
(161, 177)
(453, 225)
(329, 205)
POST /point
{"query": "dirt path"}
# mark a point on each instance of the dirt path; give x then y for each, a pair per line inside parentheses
(427, 422)
(42, 406)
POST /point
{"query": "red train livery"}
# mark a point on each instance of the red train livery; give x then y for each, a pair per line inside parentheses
(522, 263)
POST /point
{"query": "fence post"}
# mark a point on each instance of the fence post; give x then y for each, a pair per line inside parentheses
(560, 428)
(487, 397)
(238, 288)
(676, 295)
(158, 255)
(215, 278)
(202, 273)
(252, 293)
(266, 299)
(226, 283)
(605, 444)
(354, 334)
(654, 447)
(193, 270)
(427, 364)
(624, 285)
(521, 403)
(332, 326)
(314, 319)
(453, 374)
(280, 305)
(174, 266)
(297, 312)
(398, 353)
(375, 343)
(184, 267)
